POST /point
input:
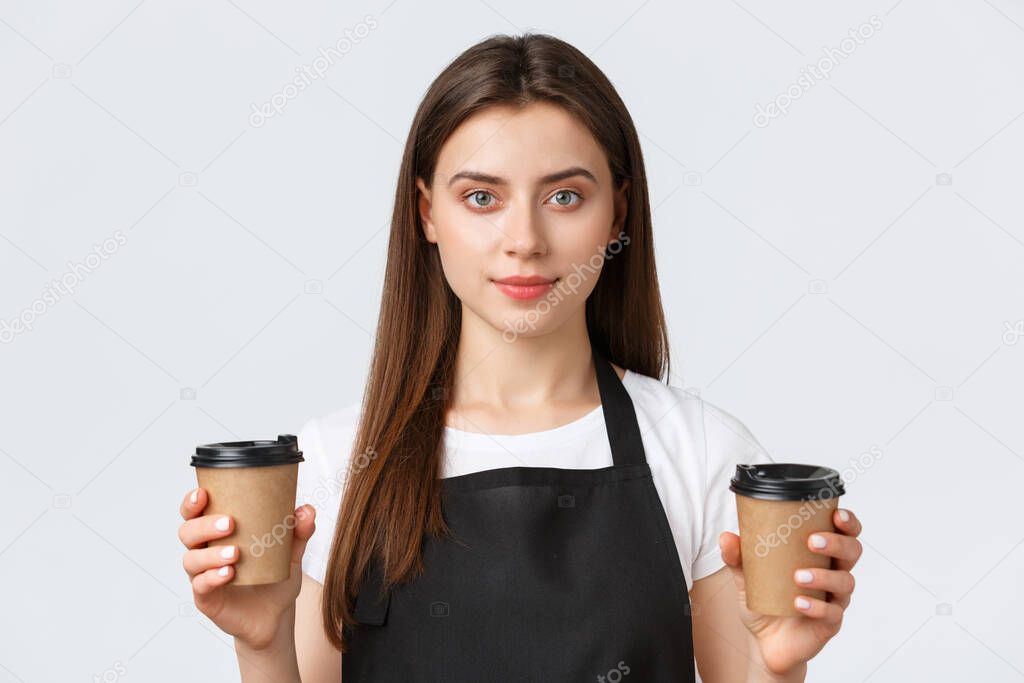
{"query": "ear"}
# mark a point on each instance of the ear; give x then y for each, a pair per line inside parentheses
(621, 201)
(423, 202)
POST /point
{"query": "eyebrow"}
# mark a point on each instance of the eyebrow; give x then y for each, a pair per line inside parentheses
(550, 178)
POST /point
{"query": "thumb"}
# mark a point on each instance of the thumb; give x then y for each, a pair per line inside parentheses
(305, 525)
(729, 544)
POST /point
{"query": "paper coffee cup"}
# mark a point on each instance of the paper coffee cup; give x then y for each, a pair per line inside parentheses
(779, 506)
(254, 482)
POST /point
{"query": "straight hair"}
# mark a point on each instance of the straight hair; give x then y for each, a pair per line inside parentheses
(393, 499)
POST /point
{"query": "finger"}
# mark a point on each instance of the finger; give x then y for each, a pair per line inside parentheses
(305, 525)
(193, 503)
(828, 612)
(840, 599)
(839, 583)
(845, 549)
(850, 526)
(196, 561)
(212, 579)
(195, 533)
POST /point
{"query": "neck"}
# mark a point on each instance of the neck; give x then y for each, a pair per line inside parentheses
(527, 371)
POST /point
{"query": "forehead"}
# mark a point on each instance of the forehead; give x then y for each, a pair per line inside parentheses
(522, 143)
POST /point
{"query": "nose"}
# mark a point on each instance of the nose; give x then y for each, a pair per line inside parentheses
(523, 232)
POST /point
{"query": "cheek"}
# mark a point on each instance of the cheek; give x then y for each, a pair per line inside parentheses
(461, 230)
(582, 248)
(462, 237)
(581, 234)
(463, 243)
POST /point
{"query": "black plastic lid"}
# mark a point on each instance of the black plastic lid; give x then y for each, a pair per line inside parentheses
(787, 481)
(284, 451)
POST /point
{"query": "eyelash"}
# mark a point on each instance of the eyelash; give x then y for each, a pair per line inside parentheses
(469, 194)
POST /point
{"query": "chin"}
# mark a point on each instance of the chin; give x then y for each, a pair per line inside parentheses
(526, 325)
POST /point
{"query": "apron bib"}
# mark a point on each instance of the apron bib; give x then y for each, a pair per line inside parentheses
(551, 575)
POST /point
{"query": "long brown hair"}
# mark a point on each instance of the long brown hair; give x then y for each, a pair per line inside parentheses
(393, 494)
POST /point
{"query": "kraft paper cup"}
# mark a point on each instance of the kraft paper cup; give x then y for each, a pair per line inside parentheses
(778, 507)
(254, 482)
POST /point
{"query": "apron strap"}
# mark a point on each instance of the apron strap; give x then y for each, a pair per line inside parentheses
(619, 415)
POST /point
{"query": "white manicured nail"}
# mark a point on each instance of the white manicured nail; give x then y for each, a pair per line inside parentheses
(223, 571)
(844, 515)
(194, 498)
(804, 576)
(803, 603)
(227, 552)
(222, 524)
(816, 540)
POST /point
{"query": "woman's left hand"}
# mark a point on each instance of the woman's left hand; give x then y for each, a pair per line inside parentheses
(788, 642)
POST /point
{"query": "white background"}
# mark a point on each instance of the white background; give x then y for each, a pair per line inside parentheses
(849, 276)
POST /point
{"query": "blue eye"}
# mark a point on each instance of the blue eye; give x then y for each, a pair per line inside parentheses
(482, 199)
(566, 194)
(478, 194)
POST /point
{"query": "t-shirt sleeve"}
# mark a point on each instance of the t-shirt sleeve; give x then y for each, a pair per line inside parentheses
(326, 444)
(315, 486)
(728, 443)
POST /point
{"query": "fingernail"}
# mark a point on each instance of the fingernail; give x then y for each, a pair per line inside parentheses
(802, 603)
(194, 498)
(804, 576)
(816, 540)
(223, 571)
(844, 515)
(222, 524)
(227, 552)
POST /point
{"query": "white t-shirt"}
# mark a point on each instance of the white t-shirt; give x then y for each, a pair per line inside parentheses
(691, 445)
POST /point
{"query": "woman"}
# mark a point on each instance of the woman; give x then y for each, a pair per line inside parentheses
(518, 496)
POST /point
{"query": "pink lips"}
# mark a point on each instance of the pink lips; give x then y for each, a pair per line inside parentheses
(524, 288)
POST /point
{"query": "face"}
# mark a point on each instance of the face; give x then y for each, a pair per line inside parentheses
(520, 207)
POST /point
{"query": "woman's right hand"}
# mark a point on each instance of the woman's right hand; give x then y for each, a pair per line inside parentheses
(252, 614)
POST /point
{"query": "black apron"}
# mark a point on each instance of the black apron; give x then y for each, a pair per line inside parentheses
(553, 575)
